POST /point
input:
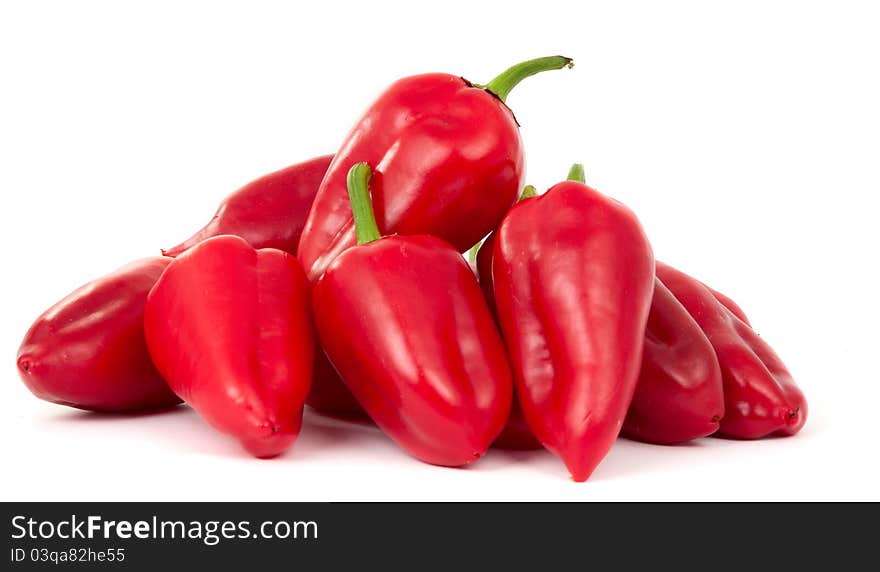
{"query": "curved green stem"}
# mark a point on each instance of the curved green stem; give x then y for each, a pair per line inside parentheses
(576, 173)
(509, 78)
(365, 226)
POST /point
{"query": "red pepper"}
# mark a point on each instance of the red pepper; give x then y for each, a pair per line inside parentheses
(448, 158)
(760, 396)
(88, 350)
(679, 394)
(229, 327)
(449, 162)
(573, 274)
(269, 212)
(404, 322)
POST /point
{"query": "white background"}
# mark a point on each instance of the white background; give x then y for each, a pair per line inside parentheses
(745, 135)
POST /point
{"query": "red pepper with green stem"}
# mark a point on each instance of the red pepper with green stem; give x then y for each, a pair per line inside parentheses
(88, 350)
(404, 322)
(761, 398)
(229, 327)
(573, 277)
(448, 161)
(678, 396)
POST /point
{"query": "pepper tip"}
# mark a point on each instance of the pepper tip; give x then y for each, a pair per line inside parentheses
(25, 364)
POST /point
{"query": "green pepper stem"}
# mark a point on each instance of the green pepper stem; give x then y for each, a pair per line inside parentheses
(528, 192)
(361, 205)
(509, 78)
(472, 253)
(576, 173)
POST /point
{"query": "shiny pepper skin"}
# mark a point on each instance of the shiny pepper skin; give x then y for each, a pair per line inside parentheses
(760, 395)
(573, 273)
(448, 160)
(404, 322)
(229, 327)
(449, 163)
(88, 350)
(679, 395)
(269, 212)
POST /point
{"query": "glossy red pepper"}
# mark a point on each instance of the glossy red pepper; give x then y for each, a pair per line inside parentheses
(574, 274)
(88, 350)
(760, 395)
(679, 395)
(269, 212)
(404, 322)
(448, 158)
(229, 327)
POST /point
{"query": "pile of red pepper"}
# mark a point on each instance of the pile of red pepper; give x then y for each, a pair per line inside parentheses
(340, 283)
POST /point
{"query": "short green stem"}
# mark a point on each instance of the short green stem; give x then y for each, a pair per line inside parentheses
(528, 192)
(502, 85)
(365, 226)
(472, 253)
(576, 173)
